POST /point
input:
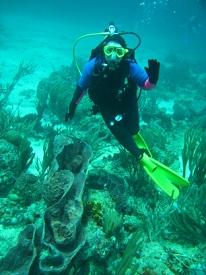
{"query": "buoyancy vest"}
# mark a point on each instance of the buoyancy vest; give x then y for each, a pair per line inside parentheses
(111, 86)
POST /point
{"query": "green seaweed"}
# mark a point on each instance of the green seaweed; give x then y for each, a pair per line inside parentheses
(24, 69)
(26, 155)
(92, 210)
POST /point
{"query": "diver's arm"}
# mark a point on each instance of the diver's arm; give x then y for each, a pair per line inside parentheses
(145, 80)
(148, 85)
(81, 88)
(140, 77)
(83, 82)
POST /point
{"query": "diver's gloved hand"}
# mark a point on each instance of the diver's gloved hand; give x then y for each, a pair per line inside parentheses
(153, 70)
(71, 111)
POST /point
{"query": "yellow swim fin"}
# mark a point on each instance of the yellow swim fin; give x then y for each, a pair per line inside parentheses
(162, 175)
(140, 142)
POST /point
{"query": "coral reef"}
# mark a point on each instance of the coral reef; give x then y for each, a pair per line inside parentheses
(55, 92)
(194, 154)
(8, 165)
(111, 222)
(117, 190)
(55, 186)
(132, 247)
(13, 137)
(131, 227)
(43, 166)
(27, 188)
(61, 235)
(156, 219)
(189, 217)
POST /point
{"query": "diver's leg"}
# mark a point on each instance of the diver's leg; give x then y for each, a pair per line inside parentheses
(131, 118)
(120, 132)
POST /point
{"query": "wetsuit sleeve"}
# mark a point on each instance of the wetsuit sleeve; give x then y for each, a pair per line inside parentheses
(140, 77)
(83, 82)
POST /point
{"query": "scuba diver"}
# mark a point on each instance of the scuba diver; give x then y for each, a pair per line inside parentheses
(111, 77)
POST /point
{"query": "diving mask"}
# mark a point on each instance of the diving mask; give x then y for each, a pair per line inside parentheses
(120, 52)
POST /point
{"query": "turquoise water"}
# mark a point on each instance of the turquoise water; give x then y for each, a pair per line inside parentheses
(119, 222)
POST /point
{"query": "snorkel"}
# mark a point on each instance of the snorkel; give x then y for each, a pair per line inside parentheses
(112, 30)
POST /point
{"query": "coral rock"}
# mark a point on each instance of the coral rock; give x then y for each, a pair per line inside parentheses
(19, 258)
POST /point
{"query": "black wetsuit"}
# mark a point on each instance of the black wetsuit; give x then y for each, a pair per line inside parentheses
(119, 111)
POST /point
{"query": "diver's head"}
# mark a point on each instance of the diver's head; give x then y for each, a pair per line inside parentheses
(114, 50)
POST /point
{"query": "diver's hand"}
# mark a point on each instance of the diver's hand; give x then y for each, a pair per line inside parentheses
(71, 111)
(153, 70)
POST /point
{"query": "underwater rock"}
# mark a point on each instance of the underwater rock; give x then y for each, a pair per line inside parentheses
(13, 197)
(172, 59)
(8, 165)
(198, 107)
(132, 223)
(116, 186)
(13, 137)
(180, 112)
(19, 258)
(28, 189)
